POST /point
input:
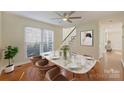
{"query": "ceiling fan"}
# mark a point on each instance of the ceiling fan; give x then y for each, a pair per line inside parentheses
(67, 16)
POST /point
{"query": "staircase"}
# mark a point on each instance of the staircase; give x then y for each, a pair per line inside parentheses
(69, 39)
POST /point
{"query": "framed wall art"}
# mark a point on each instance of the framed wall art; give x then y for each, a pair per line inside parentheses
(87, 38)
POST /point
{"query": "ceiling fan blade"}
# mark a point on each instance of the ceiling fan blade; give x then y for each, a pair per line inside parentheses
(69, 21)
(75, 17)
(69, 14)
(59, 14)
(56, 18)
(65, 14)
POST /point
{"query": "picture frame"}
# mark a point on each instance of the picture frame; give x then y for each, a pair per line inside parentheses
(86, 38)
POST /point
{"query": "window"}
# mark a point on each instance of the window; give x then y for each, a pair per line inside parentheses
(38, 41)
(47, 37)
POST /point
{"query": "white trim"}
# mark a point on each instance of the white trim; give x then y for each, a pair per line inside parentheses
(122, 62)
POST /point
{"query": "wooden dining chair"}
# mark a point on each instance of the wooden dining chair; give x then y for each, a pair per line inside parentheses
(34, 59)
(43, 66)
(54, 74)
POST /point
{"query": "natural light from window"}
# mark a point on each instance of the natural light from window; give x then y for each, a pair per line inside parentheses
(38, 41)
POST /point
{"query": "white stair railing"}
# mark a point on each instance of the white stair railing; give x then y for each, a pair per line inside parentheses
(72, 36)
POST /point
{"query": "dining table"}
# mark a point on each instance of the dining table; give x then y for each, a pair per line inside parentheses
(76, 63)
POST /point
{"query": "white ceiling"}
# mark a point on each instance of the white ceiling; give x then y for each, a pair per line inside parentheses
(46, 16)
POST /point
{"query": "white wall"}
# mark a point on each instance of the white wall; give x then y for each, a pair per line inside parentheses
(123, 43)
(13, 33)
(102, 40)
(0, 29)
(116, 40)
(86, 50)
(0, 39)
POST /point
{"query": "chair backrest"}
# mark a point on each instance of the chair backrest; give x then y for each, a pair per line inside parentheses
(43, 66)
(35, 58)
(42, 62)
(52, 73)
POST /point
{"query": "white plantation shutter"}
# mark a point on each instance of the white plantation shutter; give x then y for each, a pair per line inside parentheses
(38, 41)
(33, 34)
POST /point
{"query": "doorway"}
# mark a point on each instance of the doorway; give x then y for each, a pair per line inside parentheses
(111, 31)
(111, 61)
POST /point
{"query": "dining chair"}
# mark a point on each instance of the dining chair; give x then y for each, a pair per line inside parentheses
(43, 66)
(33, 59)
(54, 74)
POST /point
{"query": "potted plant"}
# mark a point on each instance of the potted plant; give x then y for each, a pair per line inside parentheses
(65, 49)
(10, 53)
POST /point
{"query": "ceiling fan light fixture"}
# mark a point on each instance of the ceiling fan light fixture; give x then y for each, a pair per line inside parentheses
(64, 19)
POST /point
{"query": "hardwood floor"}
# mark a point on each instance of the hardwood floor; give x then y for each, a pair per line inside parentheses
(25, 72)
(110, 68)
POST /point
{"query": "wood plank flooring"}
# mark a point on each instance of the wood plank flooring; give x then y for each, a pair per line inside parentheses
(112, 66)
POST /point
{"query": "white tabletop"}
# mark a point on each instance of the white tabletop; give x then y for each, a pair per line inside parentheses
(76, 64)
